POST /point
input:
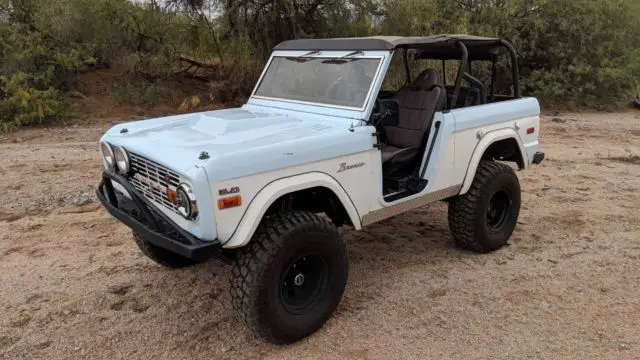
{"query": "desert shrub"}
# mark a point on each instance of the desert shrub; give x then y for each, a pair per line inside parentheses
(34, 71)
(45, 46)
(25, 104)
(582, 53)
(139, 93)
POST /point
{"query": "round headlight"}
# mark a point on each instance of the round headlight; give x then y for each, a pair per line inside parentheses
(122, 160)
(186, 202)
(107, 154)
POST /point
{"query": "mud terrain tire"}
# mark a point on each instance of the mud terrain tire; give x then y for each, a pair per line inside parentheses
(161, 256)
(483, 219)
(287, 282)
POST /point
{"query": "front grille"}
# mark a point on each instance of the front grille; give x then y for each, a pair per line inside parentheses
(153, 179)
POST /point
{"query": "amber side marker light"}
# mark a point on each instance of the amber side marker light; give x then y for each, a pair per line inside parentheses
(171, 195)
(229, 202)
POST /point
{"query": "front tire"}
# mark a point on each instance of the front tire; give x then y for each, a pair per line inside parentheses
(289, 279)
(483, 219)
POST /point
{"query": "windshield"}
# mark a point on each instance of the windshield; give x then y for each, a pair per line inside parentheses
(332, 81)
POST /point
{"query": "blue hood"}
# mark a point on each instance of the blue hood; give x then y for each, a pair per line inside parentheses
(177, 141)
(238, 138)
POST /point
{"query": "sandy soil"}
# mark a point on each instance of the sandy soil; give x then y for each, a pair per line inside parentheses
(75, 286)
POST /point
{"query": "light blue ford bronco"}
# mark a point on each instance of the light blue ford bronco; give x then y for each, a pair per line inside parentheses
(326, 140)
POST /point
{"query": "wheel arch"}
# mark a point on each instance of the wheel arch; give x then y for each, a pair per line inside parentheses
(503, 144)
(294, 188)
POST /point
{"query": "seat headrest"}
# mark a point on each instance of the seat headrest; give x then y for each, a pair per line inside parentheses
(426, 80)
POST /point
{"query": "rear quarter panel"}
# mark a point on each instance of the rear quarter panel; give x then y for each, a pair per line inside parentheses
(476, 125)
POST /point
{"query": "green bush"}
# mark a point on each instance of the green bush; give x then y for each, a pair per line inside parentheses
(34, 73)
(22, 104)
(581, 52)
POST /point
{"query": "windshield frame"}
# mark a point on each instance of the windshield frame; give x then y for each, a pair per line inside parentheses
(378, 55)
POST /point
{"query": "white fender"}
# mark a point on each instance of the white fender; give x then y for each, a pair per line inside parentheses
(484, 143)
(270, 193)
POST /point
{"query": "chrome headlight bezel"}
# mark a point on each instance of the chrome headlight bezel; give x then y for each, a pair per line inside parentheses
(122, 165)
(107, 154)
(189, 210)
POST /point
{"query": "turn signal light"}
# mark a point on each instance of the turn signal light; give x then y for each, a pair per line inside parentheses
(171, 195)
(229, 202)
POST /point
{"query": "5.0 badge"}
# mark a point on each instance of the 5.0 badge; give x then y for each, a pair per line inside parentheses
(233, 190)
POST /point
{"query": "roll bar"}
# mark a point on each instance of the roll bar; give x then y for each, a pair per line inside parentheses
(514, 67)
(461, 70)
(464, 71)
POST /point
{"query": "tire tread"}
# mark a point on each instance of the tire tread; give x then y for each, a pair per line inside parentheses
(463, 209)
(254, 257)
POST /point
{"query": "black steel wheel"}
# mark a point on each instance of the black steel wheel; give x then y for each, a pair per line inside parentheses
(303, 282)
(498, 209)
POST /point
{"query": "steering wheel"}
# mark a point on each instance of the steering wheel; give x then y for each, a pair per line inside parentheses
(378, 106)
(379, 112)
(351, 94)
(375, 111)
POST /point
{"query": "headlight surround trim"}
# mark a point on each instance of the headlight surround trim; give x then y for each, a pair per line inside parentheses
(107, 154)
(186, 202)
(123, 164)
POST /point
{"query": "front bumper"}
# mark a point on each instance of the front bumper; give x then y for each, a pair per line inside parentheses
(142, 216)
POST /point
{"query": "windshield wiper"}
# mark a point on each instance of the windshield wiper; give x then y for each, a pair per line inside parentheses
(310, 53)
(352, 53)
(343, 59)
(303, 58)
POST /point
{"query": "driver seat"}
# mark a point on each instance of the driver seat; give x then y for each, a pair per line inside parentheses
(405, 140)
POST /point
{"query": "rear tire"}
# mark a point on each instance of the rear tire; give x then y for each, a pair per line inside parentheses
(483, 219)
(289, 279)
(162, 256)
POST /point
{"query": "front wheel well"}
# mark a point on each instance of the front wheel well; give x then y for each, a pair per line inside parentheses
(316, 200)
(505, 150)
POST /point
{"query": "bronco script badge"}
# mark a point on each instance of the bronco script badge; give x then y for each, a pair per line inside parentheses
(345, 167)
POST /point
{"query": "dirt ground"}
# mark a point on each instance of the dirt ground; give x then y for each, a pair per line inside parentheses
(75, 286)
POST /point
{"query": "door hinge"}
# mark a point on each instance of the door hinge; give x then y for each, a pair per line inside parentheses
(376, 145)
